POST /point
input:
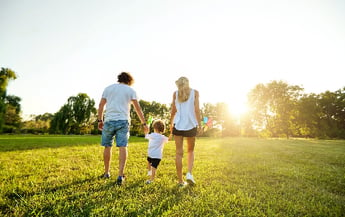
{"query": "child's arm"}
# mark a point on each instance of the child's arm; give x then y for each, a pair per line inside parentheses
(146, 130)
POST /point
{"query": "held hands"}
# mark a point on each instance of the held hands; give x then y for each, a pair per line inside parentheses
(199, 130)
(171, 132)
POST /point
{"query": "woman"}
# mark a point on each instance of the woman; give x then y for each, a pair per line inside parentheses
(185, 119)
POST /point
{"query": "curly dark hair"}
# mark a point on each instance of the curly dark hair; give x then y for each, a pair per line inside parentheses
(126, 78)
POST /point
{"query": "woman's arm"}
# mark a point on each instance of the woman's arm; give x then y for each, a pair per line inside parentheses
(196, 107)
(172, 113)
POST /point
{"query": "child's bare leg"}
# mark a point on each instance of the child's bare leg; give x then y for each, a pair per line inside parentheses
(149, 170)
(148, 166)
(153, 173)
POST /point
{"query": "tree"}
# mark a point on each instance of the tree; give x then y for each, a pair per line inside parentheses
(12, 119)
(274, 108)
(76, 116)
(308, 117)
(228, 122)
(5, 76)
(152, 110)
(246, 125)
(38, 124)
(258, 99)
(340, 112)
(332, 114)
(221, 118)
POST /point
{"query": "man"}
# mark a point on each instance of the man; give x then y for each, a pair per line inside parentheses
(118, 98)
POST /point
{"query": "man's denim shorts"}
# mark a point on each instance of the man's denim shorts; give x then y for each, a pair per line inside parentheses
(119, 130)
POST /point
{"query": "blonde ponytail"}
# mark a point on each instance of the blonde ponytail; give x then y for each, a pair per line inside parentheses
(183, 89)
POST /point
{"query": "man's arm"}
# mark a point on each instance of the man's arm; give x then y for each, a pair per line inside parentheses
(140, 113)
(100, 113)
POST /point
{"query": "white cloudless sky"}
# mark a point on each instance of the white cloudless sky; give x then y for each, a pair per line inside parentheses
(225, 47)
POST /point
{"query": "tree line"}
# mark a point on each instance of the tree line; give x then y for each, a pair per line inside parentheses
(276, 109)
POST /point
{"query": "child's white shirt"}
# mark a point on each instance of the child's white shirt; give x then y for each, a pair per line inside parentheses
(156, 144)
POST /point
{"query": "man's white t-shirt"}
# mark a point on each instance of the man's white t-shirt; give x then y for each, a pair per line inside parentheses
(156, 144)
(119, 98)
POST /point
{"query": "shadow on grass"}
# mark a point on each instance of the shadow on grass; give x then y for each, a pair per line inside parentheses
(18, 199)
(95, 195)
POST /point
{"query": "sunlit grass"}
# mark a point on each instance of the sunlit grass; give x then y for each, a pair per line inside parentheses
(59, 176)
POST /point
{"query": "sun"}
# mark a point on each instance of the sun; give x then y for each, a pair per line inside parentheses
(237, 109)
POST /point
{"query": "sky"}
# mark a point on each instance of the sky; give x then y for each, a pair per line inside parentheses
(225, 47)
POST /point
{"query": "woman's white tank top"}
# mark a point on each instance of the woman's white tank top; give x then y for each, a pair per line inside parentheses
(185, 116)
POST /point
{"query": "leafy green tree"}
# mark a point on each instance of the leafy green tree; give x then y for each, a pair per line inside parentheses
(14, 101)
(12, 117)
(83, 109)
(38, 124)
(76, 116)
(332, 114)
(153, 110)
(274, 108)
(308, 118)
(60, 123)
(209, 110)
(259, 107)
(6, 75)
(340, 112)
(45, 117)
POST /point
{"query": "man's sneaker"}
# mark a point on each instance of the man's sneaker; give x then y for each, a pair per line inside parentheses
(190, 179)
(105, 175)
(182, 185)
(120, 180)
(149, 173)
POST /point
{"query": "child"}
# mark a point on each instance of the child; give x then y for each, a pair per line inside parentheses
(155, 148)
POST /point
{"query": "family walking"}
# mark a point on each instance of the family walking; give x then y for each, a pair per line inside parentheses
(114, 121)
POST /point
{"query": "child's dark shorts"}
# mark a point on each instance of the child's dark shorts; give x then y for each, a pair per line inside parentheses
(154, 161)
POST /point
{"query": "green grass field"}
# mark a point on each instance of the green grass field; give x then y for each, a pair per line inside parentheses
(58, 176)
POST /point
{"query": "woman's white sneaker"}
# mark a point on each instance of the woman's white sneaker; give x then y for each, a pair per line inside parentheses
(190, 179)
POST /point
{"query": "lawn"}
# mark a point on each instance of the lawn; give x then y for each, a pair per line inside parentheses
(59, 176)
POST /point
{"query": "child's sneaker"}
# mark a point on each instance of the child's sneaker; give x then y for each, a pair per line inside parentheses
(120, 180)
(182, 185)
(190, 179)
(148, 182)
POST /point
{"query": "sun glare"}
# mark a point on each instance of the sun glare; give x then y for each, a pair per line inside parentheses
(237, 109)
